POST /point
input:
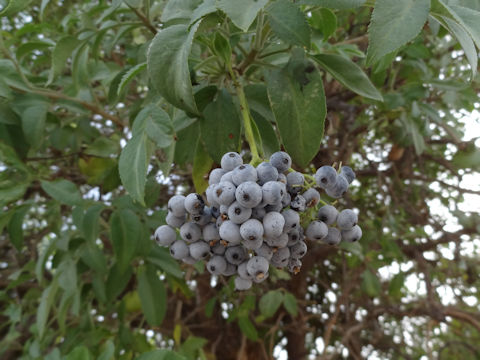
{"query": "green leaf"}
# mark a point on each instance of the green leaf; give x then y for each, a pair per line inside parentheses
(270, 302)
(192, 346)
(242, 13)
(14, 6)
(290, 304)
(396, 285)
(220, 127)
(129, 75)
(469, 20)
(210, 306)
(117, 280)
(30, 46)
(15, 226)
(167, 62)
(108, 351)
(464, 39)
(161, 258)
(153, 296)
(46, 302)
(90, 224)
(414, 133)
(94, 258)
(393, 24)
(247, 328)
(156, 124)
(33, 124)
(179, 9)
(202, 163)
(257, 98)
(62, 51)
(298, 101)
(79, 353)
(205, 8)
(354, 248)
(221, 47)
(133, 165)
(124, 232)
(289, 23)
(370, 284)
(67, 275)
(324, 20)
(161, 355)
(63, 191)
(185, 139)
(348, 74)
(334, 4)
(468, 158)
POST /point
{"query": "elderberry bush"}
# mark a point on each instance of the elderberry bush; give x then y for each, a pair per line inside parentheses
(251, 218)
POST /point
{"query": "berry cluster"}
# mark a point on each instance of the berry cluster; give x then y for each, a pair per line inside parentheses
(253, 217)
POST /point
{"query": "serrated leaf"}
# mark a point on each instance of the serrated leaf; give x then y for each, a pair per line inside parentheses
(220, 126)
(202, 163)
(348, 74)
(30, 46)
(393, 24)
(370, 283)
(290, 304)
(14, 6)
(289, 23)
(154, 122)
(242, 13)
(334, 4)
(133, 165)
(270, 302)
(62, 51)
(46, 302)
(33, 124)
(63, 191)
(167, 63)
(247, 328)
(153, 296)
(129, 75)
(124, 232)
(298, 101)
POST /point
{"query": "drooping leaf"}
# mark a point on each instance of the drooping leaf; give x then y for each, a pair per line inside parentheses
(63, 191)
(348, 74)
(242, 13)
(396, 284)
(161, 355)
(79, 353)
(153, 296)
(324, 20)
(132, 166)
(220, 126)
(167, 62)
(469, 20)
(161, 258)
(289, 23)
(393, 24)
(15, 226)
(124, 232)
(205, 8)
(298, 101)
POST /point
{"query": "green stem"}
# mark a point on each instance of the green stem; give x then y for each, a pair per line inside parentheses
(244, 109)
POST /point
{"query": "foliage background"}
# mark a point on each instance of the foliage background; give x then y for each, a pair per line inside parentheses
(109, 108)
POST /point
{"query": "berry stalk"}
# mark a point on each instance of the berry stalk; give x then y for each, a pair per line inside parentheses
(246, 117)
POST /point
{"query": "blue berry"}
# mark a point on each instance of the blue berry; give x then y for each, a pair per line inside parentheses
(281, 160)
(166, 235)
(328, 214)
(249, 194)
(230, 161)
(266, 172)
(347, 219)
(326, 177)
(243, 173)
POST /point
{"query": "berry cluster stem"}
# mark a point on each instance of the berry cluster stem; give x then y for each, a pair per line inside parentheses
(245, 111)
